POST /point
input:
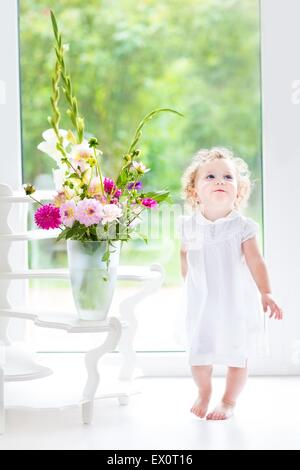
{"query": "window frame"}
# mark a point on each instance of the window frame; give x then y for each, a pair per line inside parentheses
(277, 132)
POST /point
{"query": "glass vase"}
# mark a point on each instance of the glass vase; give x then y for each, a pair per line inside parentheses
(92, 283)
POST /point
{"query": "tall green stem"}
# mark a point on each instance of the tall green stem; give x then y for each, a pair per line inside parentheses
(99, 172)
(72, 112)
(149, 116)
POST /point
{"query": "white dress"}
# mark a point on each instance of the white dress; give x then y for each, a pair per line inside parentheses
(222, 311)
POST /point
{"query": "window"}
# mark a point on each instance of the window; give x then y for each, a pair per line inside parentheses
(126, 58)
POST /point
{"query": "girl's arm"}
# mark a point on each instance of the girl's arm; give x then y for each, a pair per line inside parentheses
(183, 262)
(259, 273)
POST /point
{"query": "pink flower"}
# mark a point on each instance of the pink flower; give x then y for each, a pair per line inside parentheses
(67, 213)
(88, 212)
(101, 199)
(118, 193)
(47, 216)
(114, 200)
(109, 185)
(149, 203)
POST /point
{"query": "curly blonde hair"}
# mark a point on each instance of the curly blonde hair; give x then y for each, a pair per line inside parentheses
(207, 155)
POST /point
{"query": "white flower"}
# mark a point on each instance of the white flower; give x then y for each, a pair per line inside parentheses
(49, 134)
(59, 176)
(78, 165)
(140, 167)
(48, 146)
(82, 151)
(111, 212)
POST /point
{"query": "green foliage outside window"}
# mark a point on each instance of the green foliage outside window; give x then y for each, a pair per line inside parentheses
(200, 57)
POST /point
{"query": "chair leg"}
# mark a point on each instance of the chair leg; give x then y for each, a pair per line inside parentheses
(91, 362)
(87, 412)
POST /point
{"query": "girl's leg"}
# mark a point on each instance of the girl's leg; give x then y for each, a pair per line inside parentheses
(202, 378)
(235, 382)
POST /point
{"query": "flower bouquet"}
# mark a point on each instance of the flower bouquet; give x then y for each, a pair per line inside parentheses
(88, 206)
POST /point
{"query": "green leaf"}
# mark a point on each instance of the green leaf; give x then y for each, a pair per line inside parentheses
(62, 235)
(106, 255)
(74, 175)
(158, 196)
(142, 236)
(122, 178)
(54, 24)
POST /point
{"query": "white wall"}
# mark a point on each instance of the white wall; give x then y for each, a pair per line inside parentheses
(281, 157)
(10, 144)
(10, 148)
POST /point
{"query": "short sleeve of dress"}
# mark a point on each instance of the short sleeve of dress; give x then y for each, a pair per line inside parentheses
(250, 229)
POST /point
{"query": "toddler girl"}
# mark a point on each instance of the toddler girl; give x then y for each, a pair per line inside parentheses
(223, 273)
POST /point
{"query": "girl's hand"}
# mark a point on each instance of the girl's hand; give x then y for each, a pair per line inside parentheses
(268, 301)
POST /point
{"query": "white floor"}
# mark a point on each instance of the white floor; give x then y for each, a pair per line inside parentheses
(267, 416)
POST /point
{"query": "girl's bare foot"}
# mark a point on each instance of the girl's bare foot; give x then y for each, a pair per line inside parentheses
(223, 411)
(200, 406)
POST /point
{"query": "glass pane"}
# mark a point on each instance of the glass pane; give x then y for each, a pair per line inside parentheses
(127, 58)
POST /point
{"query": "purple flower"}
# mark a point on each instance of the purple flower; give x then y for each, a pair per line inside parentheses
(149, 203)
(47, 216)
(137, 185)
(109, 185)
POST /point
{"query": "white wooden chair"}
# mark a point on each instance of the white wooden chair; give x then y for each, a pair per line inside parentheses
(17, 364)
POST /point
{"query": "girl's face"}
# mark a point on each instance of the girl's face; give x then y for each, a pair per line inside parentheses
(216, 184)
